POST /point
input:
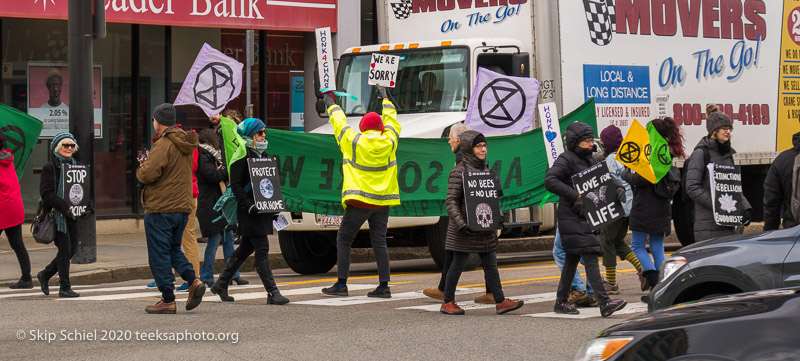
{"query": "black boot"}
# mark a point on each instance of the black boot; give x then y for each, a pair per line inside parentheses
(43, 280)
(274, 296)
(652, 278)
(22, 284)
(66, 292)
(220, 287)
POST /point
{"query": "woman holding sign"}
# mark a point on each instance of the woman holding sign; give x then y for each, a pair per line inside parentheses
(461, 240)
(713, 149)
(253, 226)
(51, 189)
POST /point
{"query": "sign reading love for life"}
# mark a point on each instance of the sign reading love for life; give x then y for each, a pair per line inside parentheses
(599, 196)
(548, 114)
(383, 70)
(327, 79)
(266, 185)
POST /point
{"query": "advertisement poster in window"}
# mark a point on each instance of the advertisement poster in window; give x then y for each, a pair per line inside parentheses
(48, 97)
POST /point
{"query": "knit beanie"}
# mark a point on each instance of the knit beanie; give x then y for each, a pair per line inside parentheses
(611, 138)
(164, 114)
(371, 121)
(59, 137)
(478, 140)
(717, 120)
(249, 127)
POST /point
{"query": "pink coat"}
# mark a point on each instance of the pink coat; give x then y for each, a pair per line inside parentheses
(12, 212)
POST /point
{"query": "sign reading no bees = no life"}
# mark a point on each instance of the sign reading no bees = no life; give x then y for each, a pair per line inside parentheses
(383, 70)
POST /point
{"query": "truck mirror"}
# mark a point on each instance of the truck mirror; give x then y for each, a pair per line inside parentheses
(320, 105)
(519, 65)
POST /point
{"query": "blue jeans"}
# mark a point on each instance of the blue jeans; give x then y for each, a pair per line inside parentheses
(164, 233)
(558, 256)
(207, 271)
(638, 240)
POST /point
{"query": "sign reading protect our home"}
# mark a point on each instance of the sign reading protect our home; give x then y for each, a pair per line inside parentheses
(266, 185)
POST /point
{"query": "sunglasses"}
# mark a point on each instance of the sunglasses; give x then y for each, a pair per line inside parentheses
(69, 145)
(261, 132)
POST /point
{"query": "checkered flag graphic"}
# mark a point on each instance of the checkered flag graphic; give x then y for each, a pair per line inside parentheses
(602, 20)
(401, 10)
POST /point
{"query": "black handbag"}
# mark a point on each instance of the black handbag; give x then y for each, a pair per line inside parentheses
(43, 227)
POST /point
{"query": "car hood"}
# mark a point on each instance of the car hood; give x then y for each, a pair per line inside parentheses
(765, 236)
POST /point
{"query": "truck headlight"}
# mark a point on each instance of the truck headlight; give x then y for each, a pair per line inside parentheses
(671, 265)
(602, 348)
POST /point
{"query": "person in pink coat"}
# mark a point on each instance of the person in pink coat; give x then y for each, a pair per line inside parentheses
(12, 214)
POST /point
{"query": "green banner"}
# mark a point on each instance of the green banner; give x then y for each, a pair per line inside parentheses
(21, 132)
(660, 159)
(311, 176)
(233, 143)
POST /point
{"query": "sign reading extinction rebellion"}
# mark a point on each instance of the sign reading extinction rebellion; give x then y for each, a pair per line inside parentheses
(482, 200)
(266, 185)
(726, 193)
(75, 179)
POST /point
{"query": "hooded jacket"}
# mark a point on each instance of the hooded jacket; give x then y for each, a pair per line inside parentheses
(167, 173)
(259, 224)
(698, 188)
(208, 180)
(480, 242)
(576, 235)
(778, 188)
(12, 212)
(650, 213)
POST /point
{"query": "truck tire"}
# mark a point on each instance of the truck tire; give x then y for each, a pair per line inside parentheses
(436, 235)
(683, 219)
(308, 252)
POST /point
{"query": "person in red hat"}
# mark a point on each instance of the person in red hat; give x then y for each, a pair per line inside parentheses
(369, 188)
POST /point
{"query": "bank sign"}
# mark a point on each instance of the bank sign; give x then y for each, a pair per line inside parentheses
(643, 59)
(294, 15)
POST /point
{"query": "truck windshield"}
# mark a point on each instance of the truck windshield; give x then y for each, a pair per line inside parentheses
(428, 80)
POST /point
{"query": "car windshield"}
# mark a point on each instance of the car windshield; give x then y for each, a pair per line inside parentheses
(428, 80)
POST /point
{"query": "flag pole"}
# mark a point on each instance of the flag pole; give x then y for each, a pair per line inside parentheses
(249, 54)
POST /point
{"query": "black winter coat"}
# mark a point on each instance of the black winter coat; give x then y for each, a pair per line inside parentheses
(576, 235)
(480, 242)
(259, 224)
(650, 213)
(208, 179)
(778, 188)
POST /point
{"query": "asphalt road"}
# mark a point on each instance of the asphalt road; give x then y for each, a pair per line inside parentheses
(108, 320)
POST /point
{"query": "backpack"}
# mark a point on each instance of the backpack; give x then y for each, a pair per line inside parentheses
(669, 184)
(794, 203)
(706, 160)
(227, 204)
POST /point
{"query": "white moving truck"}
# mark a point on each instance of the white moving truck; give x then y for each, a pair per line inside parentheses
(639, 59)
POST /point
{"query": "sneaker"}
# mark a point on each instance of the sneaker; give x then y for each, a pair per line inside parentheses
(486, 299)
(611, 289)
(586, 301)
(161, 307)
(508, 305)
(451, 308)
(196, 291)
(20, 285)
(151, 285)
(381, 293)
(643, 282)
(183, 287)
(565, 307)
(434, 293)
(612, 306)
(575, 295)
(336, 290)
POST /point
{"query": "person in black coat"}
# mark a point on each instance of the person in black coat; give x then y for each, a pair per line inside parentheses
(52, 193)
(778, 188)
(577, 237)
(253, 226)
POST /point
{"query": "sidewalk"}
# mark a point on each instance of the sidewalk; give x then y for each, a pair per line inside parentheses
(123, 257)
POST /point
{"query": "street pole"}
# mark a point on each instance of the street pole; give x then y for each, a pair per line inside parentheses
(248, 110)
(81, 113)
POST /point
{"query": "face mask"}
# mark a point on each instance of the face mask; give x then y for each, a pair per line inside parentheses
(261, 146)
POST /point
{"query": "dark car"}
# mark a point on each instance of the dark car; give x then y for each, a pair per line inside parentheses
(729, 265)
(759, 325)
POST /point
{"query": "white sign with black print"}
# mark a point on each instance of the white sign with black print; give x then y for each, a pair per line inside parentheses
(551, 131)
(383, 70)
(726, 194)
(327, 78)
(280, 222)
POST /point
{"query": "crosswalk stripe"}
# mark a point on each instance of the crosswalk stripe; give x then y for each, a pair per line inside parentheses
(471, 305)
(593, 312)
(263, 295)
(358, 300)
(151, 292)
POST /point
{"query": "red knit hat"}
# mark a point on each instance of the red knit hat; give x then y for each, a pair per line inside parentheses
(371, 121)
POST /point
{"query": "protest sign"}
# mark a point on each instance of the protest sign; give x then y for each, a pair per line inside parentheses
(726, 194)
(599, 196)
(214, 80)
(554, 145)
(502, 103)
(482, 200)
(21, 132)
(266, 184)
(634, 152)
(383, 70)
(327, 79)
(75, 179)
(660, 159)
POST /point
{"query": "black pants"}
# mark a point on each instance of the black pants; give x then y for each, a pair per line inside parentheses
(592, 275)
(67, 244)
(490, 274)
(14, 235)
(250, 244)
(448, 260)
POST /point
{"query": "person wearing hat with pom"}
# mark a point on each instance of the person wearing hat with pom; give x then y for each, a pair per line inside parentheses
(167, 198)
(253, 226)
(369, 188)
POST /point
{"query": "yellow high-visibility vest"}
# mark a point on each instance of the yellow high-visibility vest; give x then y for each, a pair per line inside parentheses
(369, 163)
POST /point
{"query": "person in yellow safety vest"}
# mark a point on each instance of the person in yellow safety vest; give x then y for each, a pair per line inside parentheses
(370, 186)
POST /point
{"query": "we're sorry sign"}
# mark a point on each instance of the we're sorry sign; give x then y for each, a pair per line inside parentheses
(383, 70)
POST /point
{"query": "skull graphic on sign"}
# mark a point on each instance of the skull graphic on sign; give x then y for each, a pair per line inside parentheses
(484, 215)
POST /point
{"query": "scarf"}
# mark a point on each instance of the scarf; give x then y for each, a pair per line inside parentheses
(259, 147)
(61, 221)
(214, 151)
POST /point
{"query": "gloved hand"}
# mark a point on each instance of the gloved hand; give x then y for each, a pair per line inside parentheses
(70, 216)
(746, 217)
(252, 210)
(329, 99)
(621, 197)
(577, 207)
(86, 214)
(381, 91)
(466, 231)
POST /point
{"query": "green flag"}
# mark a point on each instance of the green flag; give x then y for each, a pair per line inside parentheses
(660, 159)
(234, 144)
(21, 132)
